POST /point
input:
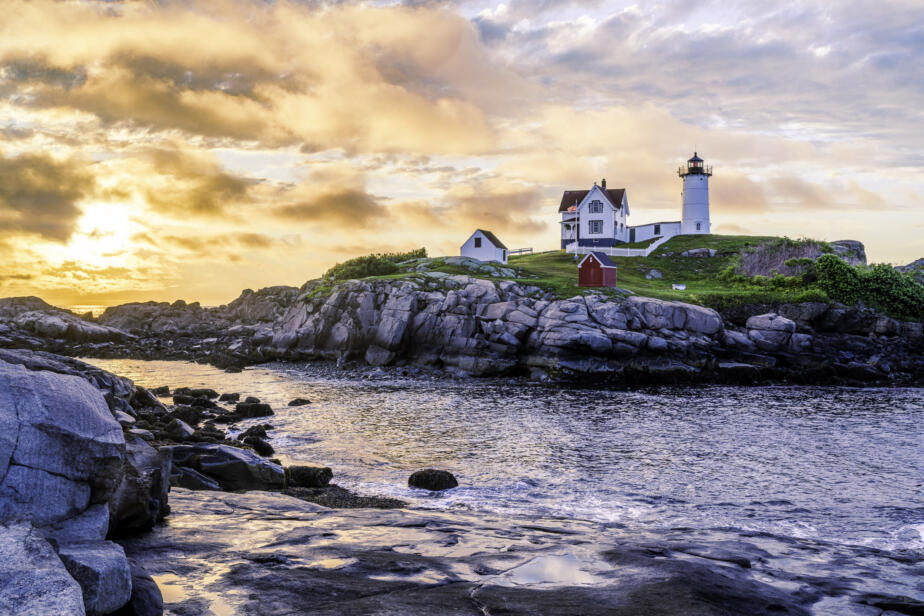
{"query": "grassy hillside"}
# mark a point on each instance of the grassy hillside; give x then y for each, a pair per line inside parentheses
(703, 276)
(741, 270)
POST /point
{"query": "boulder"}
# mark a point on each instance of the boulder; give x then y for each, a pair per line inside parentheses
(61, 450)
(654, 275)
(103, 572)
(197, 401)
(299, 402)
(140, 501)
(146, 599)
(258, 430)
(184, 477)
(188, 414)
(308, 476)
(146, 435)
(253, 409)
(259, 445)
(770, 331)
(229, 397)
(232, 468)
(201, 392)
(179, 430)
(33, 580)
(432, 479)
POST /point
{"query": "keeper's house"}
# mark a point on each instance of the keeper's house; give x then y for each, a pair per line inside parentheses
(597, 218)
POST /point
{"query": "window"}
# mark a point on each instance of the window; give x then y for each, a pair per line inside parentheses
(657, 230)
(699, 226)
(505, 254)
(596, 226)
(477, 242)
(596, 207)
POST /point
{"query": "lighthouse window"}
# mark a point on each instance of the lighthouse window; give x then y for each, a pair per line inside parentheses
(596, 207)
(596, 226)
(699, 226)
(657, 230)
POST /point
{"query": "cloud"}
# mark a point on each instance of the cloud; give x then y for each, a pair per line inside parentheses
(362, 77)
(39, 194)
(191, 183)
(347, 208)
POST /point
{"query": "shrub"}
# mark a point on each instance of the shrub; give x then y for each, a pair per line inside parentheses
(880, 286)
(372, 265)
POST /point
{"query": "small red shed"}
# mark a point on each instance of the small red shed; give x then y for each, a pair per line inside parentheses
(596, 270)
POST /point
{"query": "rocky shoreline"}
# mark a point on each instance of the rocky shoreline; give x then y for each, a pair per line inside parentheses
(90, 458)
(465, 326)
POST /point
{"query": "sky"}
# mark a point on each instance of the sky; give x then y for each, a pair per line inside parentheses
(163, 150)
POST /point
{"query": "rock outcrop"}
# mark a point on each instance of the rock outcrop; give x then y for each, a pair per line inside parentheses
(851, 251)
(29, 322)
(482, 327)
(68, 475)
(61, 449)
(33, 580)
(477, 327)
(231, 468)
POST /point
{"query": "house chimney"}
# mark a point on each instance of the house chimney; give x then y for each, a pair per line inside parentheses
(604, 183)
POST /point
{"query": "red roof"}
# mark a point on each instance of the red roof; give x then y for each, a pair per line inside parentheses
(573, 197)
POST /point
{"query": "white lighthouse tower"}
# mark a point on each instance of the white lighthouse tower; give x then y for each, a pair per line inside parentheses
(695, 196)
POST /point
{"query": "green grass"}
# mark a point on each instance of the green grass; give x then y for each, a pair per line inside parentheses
(709, 280)
(557, 271)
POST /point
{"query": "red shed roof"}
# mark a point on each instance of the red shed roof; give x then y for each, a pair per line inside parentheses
(602, 258)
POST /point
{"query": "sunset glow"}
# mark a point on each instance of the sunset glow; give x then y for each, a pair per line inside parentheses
(168, 150)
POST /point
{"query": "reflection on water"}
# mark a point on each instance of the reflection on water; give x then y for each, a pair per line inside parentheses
(554, 570)
(838, 464)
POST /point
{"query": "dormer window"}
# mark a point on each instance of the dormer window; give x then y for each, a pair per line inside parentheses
(596, 207)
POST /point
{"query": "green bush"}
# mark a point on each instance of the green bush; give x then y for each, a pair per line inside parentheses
(724, 301)
(880, 287)
(372, 265)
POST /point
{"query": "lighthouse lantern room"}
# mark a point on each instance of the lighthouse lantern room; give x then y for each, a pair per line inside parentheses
(695, 196)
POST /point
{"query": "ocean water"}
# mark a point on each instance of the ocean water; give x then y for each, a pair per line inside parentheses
(836, 471)
(840, 464)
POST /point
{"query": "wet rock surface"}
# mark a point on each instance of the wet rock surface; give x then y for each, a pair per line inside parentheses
(270, 554)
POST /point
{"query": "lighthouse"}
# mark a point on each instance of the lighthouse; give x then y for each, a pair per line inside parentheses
(695, 196)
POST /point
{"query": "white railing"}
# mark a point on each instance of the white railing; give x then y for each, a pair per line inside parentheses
(521, 251)
(611, 251)
(615, 251)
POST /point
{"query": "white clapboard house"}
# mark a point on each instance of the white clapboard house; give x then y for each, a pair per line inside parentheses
(598, 218)
(484, 246)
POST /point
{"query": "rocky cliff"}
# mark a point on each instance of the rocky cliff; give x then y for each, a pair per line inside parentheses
(479, 327)
(482, 327)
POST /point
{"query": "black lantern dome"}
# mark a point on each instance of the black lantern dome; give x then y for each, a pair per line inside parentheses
(695, 166)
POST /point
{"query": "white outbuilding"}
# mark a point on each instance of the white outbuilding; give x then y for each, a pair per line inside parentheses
(484, 246)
